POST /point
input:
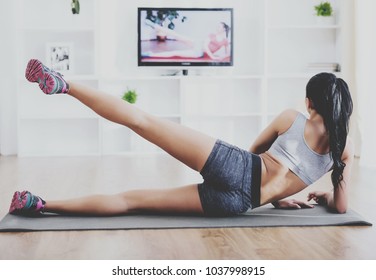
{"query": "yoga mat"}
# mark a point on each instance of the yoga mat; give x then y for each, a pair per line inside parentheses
(260, 217)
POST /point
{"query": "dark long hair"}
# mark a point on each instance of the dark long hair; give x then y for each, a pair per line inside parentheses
(331, 99)
(226, 28)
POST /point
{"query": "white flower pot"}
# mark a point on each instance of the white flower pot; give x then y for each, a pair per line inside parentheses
(321, 20)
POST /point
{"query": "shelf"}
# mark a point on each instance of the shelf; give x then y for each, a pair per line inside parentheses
(224, 116)
(75, 29)
(297, 50)
(118, 77)
(219, 77)
(297, 75)
(307, 27)
(297, 12)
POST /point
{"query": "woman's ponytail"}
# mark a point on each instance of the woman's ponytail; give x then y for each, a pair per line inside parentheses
(332, 100)
(226, 28)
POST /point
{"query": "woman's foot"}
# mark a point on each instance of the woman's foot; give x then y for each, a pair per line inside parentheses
(50, 82)
(25, 203)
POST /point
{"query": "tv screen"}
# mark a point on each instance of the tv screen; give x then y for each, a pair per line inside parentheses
(185, 37)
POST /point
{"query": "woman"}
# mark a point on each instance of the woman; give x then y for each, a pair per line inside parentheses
(216, 46)
(290, 154)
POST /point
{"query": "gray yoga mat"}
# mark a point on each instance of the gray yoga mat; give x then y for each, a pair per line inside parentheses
(260, 217)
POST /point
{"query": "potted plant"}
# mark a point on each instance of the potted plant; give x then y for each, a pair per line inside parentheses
(130, 96)
(324, 13)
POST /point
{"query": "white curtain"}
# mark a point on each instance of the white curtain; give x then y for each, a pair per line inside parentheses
(365, 38)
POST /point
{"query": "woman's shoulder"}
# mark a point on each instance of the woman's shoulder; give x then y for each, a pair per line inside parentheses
(285, 120)
(290, 114)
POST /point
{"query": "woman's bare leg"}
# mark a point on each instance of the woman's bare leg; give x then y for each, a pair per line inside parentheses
(174, 200)
(187, 145)
(169, 32)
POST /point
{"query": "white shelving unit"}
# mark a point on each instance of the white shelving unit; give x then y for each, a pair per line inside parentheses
(293, 41)
(273, 47)
(57, 126)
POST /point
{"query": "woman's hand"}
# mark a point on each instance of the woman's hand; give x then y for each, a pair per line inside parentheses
(320, 198)
(291, 204)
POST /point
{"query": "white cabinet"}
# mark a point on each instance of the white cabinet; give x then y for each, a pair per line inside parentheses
(225, 107)
(276, 43)
(57, 125)
(299, 45)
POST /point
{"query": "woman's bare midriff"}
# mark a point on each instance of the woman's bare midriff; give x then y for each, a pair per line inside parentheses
(277, 181)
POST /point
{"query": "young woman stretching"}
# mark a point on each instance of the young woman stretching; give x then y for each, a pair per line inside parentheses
(216, 45)
(290, 154)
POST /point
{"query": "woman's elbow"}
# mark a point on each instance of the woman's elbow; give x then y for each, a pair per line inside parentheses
(341, 209)
(339, 203)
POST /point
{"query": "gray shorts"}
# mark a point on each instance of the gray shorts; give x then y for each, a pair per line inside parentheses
(232, 178)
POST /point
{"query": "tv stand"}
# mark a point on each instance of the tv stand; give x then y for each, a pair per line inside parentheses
(183, 72)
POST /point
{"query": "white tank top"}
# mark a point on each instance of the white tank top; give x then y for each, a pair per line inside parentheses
(293, 151)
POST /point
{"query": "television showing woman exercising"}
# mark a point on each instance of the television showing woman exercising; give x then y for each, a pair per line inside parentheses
(185, 37)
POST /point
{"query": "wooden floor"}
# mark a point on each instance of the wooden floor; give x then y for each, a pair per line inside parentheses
(55, 178)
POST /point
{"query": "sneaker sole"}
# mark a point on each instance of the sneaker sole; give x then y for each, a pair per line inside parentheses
(17, 203)
(34, 71)
(35, 74)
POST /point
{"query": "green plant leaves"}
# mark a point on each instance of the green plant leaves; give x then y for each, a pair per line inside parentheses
(130, 96)
(324, 9)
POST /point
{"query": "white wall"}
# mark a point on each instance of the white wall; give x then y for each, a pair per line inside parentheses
(8, 78)
(365, 77)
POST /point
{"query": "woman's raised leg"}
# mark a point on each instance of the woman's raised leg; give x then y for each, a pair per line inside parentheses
(185, 144)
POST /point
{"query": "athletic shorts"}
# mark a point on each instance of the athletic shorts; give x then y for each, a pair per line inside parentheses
(232, 179)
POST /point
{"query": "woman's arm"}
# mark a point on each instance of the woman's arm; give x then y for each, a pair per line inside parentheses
(227, 51)
(207, 49)
(278, 126)
(337, 200)
(222, 53)
(291, 204)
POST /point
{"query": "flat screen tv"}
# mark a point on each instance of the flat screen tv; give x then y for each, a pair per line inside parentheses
(185, 37)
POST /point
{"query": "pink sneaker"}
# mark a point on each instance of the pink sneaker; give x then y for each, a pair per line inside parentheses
(25, 203)
(50, 82)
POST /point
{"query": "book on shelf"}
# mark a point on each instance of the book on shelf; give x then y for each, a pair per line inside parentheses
(323, 66)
